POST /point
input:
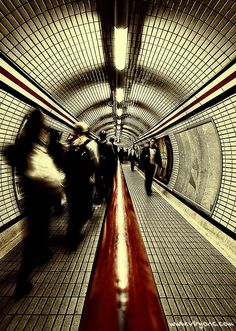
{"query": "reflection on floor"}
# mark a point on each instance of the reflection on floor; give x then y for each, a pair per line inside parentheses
(195, 282)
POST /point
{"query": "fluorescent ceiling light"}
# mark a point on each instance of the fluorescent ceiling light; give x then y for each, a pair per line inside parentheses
(119, 94)
(120, 47)
(119, 111)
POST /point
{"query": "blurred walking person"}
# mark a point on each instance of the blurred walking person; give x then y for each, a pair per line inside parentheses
(40, 180)
(56, 150)
(80, 164)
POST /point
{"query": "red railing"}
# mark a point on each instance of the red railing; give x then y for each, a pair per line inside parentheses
(122, 294)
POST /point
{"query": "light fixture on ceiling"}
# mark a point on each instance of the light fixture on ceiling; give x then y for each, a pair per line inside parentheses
(119, 112)
(120, 47)
(119, 94)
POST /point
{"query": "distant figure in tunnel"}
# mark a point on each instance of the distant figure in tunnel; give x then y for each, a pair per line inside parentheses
(106, 168)
(121, 154)
(79, 164)
(40, 180)
(132, 157)
(115, 150)
(114, 146)
(150, 157)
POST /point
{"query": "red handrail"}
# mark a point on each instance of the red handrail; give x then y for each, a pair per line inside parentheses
(122, 294)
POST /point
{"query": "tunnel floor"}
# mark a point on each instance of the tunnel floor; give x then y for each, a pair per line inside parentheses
(195, 282)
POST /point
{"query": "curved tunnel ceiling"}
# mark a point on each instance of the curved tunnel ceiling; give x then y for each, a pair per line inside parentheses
(174, 48)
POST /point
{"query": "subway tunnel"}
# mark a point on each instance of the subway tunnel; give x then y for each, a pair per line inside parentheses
(171, 77)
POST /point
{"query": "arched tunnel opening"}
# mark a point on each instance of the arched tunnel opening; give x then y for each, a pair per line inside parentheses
(171, 77)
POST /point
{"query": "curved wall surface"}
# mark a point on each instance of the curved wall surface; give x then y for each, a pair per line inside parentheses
(204, 161)
(179, 81)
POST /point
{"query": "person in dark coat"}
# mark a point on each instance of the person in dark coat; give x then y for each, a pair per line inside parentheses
(56, 151)
(106, 168)
(121, 154)
(115, 150)
(80, 165)
(150, 158)
(132, 157)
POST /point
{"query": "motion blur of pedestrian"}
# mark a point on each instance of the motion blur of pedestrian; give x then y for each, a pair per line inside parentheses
(79, 164)
(56, 150)
(40, 181)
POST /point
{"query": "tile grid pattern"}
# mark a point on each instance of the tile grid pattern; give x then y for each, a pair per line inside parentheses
(13, 111)
(59, 44)
(195, 282)
(175, 166)
(60, 287)
(224, 117)
(182, 44)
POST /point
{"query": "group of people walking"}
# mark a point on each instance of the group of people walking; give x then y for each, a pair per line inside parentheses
(83, 170)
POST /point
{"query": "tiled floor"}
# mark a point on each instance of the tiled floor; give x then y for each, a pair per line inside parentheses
(195, 282)
(57, 299)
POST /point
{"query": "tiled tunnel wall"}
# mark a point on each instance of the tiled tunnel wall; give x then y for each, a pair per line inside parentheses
(200, 35)
(223, 115)
(12, 115)
(183, 44)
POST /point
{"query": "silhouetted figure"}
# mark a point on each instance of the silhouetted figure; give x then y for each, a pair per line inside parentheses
(132, 157)
(150, 157)
(40, 180)
(115, 150)
(80, 164)
(114, 146)
(121, 154)
(106, 168)
(125, 154)
(56, 151)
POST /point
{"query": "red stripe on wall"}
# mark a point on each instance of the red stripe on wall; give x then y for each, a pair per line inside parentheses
(203, 96)
(15, 80)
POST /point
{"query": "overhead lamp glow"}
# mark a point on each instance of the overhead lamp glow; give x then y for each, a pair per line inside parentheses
(119, 94)
(119, 111)
(120, 47)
